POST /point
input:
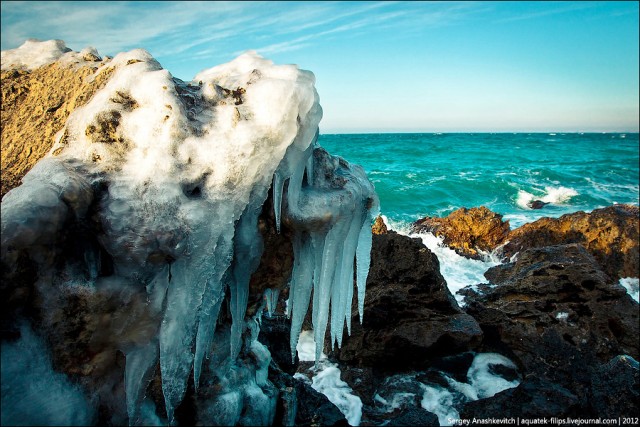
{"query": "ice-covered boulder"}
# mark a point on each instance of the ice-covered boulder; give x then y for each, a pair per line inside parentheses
(142, 222)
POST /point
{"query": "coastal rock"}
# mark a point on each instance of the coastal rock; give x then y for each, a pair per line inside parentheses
(616, 388)
(610, 234)
(537, 204)
(410, 317)
(35, 107)
(533, 398)
(133, 257)
(379, 227)
(467, 231)
(557, 315)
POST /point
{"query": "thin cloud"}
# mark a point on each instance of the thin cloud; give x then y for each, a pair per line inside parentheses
(572, 7)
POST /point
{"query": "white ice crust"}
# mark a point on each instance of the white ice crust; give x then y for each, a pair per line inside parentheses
(185, 169)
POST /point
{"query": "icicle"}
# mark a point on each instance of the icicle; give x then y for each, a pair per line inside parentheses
(214, 295)
(300, 286)
(247, 252)
(337, 291)
(322, 286)
(271, 296)
(140, 363)
(345, 281)
(363, 259)
(278, 185)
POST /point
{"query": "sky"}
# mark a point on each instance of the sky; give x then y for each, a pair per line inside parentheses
(389, 66)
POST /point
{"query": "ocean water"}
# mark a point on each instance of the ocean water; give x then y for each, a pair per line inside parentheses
(417, 175)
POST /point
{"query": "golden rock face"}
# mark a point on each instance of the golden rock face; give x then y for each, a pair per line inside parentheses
(36, 106)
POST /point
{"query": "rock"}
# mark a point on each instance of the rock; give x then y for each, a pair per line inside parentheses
(299, 404)
(609, 234)
(557, 315)
(379, 227)
(537, 204)
(467, 231)
(35, 106)
(414, 417)
(616, 388)
(410, 317)
(275, 333)
(533, 398)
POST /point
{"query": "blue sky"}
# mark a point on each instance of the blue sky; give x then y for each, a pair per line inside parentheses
(389, 66)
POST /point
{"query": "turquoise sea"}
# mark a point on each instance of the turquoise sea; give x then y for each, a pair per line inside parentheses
(423, 174)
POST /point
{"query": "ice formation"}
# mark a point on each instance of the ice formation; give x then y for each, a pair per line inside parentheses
(173, 176)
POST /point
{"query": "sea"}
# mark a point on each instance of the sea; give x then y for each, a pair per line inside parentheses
(434, 174)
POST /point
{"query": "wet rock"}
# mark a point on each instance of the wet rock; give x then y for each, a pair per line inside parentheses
(410, 317)
(414, 417)
(616, 388)
(609, 234)
(299, 404)
(557, 315)
(533, 398)
(467, 231)
(537, 204)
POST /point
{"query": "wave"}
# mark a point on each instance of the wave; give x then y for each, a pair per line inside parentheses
(554, 195)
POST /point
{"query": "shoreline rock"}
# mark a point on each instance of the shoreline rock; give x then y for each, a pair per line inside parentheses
(610, 234)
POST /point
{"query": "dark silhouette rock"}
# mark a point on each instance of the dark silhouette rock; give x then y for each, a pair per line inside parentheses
(299, 404)
(410, 317)
(533, 398)
(537, 204)
(414, 417)
(616, 388)
(557, 315)
(467, 231)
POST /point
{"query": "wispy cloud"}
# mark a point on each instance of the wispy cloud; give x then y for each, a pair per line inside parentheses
(549, 10)
(172, 28)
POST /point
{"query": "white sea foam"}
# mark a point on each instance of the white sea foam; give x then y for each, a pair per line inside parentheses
(458, 271)
(554, 195)
(484, 382)
(446, 401)
(632, 285)
(326, 380)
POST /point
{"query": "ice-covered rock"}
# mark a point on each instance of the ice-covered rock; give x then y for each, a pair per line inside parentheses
(151, 194)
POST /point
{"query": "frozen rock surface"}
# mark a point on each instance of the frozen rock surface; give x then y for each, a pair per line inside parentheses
(136, 237)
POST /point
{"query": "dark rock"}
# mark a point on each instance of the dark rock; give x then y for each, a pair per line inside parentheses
(275, 333)
(533, 398)
(410, 317)
(414, 417)
(557, 315)
(537, 204)
(467, 231)
(616, 388)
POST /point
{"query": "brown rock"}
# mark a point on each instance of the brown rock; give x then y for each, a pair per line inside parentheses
(35, 106)
(379, 227)
(467, 231)
(609, 234)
